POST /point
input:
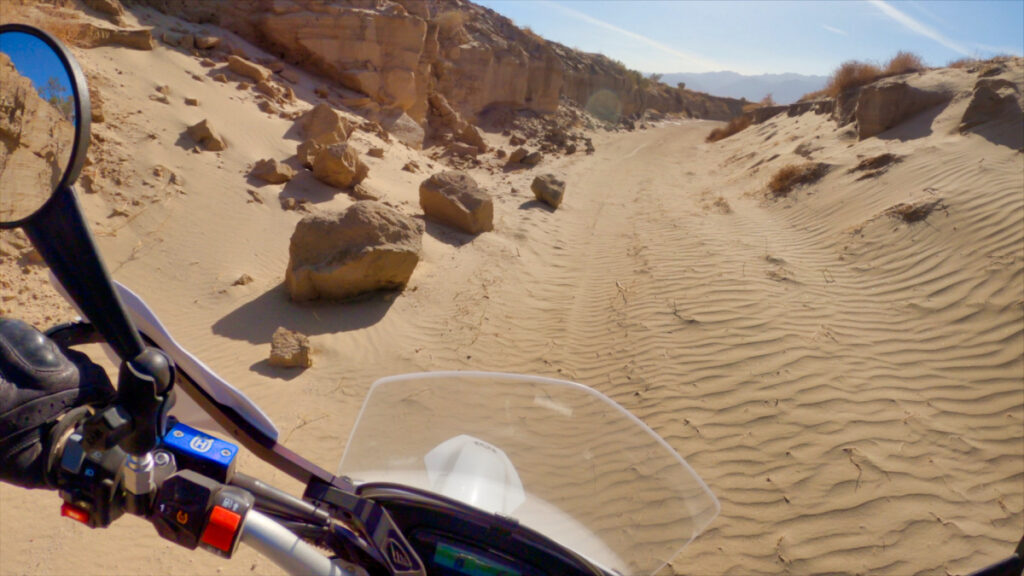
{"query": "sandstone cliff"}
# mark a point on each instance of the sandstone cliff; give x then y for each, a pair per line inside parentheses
(400, 52)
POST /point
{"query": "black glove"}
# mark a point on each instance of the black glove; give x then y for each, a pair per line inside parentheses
(39, 383)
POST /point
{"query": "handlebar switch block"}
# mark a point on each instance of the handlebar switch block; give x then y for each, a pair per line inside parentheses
(88, 482)
(192, 510)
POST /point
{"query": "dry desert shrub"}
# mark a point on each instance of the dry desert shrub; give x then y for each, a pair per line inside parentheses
(735, 125)
(451, 20)
(793, 175)
(854, 74)
(904, 62)
(529, 32)
(851, 74)
(964, 63)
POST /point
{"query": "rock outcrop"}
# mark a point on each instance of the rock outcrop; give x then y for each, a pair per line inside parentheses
(885, 104)
(400, 52)
(992, 98)
(339, 255)
(36, 138)
(454, 199)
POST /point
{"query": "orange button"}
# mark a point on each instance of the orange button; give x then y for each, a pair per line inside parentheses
(220, 530)
(75, 513)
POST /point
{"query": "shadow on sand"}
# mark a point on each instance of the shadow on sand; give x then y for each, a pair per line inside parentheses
(256, 320)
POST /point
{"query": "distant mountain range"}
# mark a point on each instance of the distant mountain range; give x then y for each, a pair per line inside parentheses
(784, 88)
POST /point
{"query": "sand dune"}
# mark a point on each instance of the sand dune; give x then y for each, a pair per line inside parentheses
(848, 384)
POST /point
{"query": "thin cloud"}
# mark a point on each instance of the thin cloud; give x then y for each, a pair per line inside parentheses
(917, 27)
(697, 60)
(834, 30)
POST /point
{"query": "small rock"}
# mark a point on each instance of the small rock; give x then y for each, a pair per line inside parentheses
(322, 91)
(462, 149)
(500, 153)
(516, 141)
(376, 152)
(570, 149)
(517, 155)
(207, 42)
(548, 189)
(533, 158)
(323, 124)
(411, 167)
(251, 70)
(290, 75)
(306, 152)
(221, 78)
(359, 192)
(289, 349)
(207, 63)
(339, 165)
(191, 102)
(243, 280)
(272, 171)
(453, 198)
(205, 135)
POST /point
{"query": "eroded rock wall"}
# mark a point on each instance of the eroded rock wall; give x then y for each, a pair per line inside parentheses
(399, 52)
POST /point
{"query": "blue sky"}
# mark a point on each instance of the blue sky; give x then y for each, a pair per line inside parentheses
(756, 37)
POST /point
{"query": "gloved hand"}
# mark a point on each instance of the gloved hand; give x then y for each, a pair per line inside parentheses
(39, 383)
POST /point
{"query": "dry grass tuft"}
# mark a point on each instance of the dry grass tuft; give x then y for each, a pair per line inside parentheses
(964, 63)
(854, 74)
(735, 125)
(903, 63)
(915, 212)
(792, 175)
(851, 74)
(451, 21)
(876, 162)
(529, 32)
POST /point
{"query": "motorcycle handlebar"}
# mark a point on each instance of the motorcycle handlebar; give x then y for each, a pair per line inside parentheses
(282, 547)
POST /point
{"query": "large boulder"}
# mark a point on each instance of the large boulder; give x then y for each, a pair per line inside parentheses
(453, 198)
(549, 189)
(883, 105)
(339, 165)
(338, 255)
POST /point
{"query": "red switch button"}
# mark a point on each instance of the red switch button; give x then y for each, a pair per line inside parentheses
(75, 513)
(221, 529)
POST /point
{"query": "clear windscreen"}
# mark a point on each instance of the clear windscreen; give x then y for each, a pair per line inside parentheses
(593, 477)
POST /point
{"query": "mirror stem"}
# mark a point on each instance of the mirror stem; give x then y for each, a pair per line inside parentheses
(59, 233)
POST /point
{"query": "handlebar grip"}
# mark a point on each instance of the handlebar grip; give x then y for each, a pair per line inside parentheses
(286, 550)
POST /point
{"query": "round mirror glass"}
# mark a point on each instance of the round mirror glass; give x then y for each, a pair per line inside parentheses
(38, 123)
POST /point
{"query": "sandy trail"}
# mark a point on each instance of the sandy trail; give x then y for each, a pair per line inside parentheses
(849, 386)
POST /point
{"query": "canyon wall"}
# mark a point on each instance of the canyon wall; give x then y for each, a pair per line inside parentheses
(399, 52)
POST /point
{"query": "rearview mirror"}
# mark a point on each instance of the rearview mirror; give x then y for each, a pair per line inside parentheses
(44, 121)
